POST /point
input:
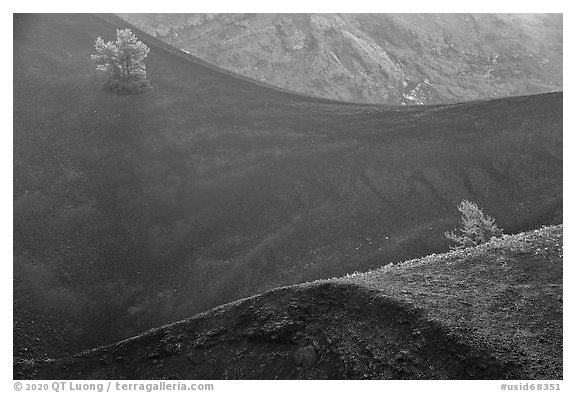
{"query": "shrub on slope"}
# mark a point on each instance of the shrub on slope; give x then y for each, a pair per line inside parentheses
(489, 312)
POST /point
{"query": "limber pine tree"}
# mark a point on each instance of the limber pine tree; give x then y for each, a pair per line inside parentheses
(122, 62)
(476, 228)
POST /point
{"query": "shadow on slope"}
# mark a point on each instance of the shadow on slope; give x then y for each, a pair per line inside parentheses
(493, 312)
(343, 330)
(133, 211)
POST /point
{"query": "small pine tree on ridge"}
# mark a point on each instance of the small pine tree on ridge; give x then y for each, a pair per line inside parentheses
(122, 62)
(476, 227)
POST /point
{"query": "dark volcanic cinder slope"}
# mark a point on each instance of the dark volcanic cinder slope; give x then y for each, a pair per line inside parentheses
(378, 58)
(491, 312)
(131, 211)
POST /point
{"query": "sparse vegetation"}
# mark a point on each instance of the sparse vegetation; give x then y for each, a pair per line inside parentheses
(456, 315)
(209, 188)
(294, 39)
(122, 62)
(476, 227)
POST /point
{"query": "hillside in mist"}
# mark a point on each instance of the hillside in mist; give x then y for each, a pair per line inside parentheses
(377, 58)
(489, 312)
(134, 211)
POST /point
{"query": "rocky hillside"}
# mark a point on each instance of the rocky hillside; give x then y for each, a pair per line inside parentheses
(134, 211)
(490, 312)
(377, 58)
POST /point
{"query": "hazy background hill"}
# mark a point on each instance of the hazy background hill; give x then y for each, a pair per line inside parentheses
(131, 211)
(377, 58)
